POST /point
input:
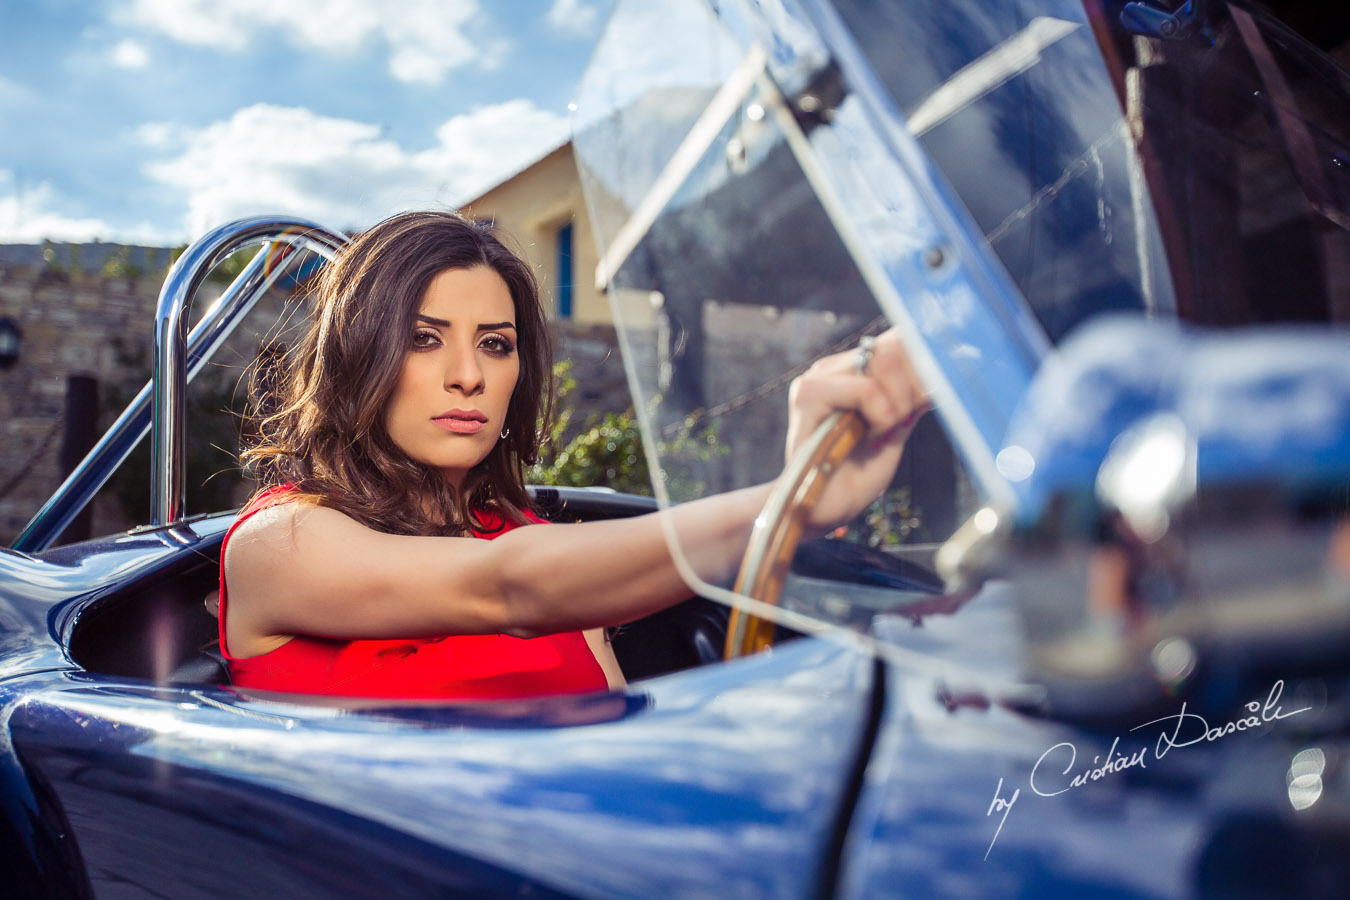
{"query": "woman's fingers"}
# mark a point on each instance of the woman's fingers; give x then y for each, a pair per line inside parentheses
(887, 394)
(817, 395)
(891, 368)
(890, 399)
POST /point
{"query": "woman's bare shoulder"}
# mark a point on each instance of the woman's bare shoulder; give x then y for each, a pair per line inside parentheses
(304, 569)
(288, 549)
(287, 526)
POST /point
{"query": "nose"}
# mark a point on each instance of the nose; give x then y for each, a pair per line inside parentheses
(463, 372)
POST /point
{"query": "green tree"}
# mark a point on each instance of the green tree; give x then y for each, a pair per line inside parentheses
(891, 520)
(606, 452)
(119, 265)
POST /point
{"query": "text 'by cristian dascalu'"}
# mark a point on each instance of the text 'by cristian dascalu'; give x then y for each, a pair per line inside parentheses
(1058, 770)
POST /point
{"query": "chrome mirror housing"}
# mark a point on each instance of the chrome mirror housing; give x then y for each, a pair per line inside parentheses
(1188, 513)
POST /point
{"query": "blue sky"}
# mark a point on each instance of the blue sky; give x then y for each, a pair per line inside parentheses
(149, 121)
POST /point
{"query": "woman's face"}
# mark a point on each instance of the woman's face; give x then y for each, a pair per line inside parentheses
(449, 406)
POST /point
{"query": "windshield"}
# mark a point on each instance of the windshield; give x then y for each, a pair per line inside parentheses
(1206, 175)
(768, 183)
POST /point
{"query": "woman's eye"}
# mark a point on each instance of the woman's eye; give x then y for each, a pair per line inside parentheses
(423, 339)
(497, 344)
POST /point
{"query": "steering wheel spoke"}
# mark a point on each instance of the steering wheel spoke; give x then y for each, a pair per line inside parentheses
(782, 522)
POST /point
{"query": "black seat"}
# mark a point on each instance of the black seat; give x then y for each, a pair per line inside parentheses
(689, 634)
(206, 666)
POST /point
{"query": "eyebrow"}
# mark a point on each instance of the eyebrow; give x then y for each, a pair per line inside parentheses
(483, 326)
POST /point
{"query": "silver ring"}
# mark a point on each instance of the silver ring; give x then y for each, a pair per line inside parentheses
(864, 357)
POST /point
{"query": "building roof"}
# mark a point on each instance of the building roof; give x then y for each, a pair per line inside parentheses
(516, 174)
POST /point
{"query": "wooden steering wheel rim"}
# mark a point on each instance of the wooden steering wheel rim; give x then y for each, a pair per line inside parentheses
(779, 527)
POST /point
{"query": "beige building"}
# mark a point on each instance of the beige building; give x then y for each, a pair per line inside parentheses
(542, 209)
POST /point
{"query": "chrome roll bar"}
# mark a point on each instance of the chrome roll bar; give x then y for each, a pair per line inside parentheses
(178, 357)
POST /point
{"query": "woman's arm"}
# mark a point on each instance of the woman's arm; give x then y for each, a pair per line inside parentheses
(296, 569)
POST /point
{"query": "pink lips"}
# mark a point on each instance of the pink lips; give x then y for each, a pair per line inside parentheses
(461, 421)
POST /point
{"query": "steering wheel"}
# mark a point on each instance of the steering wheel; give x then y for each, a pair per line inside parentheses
(778, 528)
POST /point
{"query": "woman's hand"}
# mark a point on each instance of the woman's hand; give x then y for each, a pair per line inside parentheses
(890, 400)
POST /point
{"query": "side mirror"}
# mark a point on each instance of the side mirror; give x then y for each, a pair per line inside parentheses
(1187, 513)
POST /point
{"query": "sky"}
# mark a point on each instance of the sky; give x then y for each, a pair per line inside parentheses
(151, 121)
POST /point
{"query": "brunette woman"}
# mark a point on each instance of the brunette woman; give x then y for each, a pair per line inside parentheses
(388, 558)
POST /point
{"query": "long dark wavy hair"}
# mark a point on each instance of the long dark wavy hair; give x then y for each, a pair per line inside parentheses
(324, 429)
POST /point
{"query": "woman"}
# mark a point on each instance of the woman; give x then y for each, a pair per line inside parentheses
(398, 445)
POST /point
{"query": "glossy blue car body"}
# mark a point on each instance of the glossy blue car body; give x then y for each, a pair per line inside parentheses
(121, 784)
(965, 744)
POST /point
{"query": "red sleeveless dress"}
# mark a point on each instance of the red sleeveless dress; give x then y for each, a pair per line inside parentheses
(466, 667)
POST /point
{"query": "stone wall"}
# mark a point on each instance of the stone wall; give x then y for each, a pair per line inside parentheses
(73, 324)
(597, 367)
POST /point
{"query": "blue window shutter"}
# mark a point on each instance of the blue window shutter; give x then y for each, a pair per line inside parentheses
(564, 290)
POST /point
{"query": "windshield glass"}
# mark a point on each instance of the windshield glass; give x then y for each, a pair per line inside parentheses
(767, 185)
(1205, 175)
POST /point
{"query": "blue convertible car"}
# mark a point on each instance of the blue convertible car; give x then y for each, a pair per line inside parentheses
(1092, 642)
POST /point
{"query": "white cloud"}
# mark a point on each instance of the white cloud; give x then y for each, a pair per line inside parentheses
(425, 38)
(342, 173)
(129, 54)
(492, 142)
(573, 16)
(29, 217)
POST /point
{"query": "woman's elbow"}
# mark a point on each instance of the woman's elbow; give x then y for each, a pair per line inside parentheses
(520, 625)
(518, 613)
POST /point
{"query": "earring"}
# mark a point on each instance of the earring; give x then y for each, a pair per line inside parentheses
(505, 433)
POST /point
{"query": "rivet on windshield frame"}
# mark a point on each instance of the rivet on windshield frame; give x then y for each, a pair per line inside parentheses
(934, 256)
